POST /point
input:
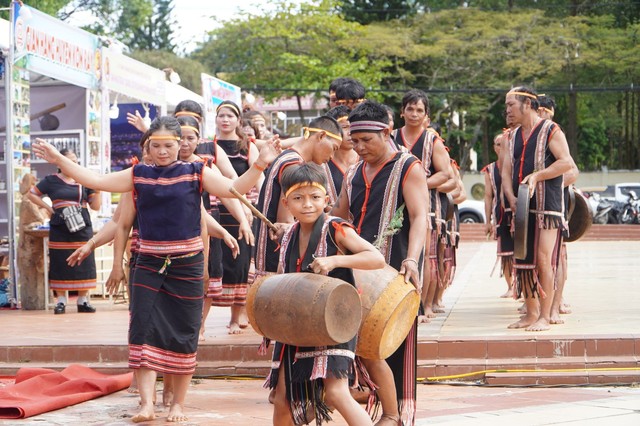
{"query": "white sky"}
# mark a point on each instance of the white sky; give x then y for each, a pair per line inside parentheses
(194, 17)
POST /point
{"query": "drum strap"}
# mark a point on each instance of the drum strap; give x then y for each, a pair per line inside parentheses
(311, 248)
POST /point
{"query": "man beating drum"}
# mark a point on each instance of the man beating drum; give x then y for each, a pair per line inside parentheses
(375, 190)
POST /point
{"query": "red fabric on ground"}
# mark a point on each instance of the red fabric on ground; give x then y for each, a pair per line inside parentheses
(38, 390)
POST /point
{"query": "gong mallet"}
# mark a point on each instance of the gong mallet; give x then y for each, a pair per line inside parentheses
(255, 211)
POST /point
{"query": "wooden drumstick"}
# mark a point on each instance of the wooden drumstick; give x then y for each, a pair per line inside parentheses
(255, 211)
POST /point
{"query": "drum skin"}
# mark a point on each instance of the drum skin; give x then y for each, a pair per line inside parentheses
(521, 223)
(303, 309)
(389, 310)
(581, 216)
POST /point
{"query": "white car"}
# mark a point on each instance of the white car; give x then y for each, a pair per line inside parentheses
(472, 211)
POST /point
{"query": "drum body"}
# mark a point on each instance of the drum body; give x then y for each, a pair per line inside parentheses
(389, 309)
(581, 217)
(304, 309)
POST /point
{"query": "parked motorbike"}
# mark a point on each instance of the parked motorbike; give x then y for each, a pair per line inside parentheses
(606, 210)
(631, 210)
(602, 208)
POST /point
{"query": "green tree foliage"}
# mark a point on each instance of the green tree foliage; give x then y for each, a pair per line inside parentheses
(466, 50)
(139, 24)
(50, 7)
(367, 11)
(289, 48)
(465, 54)
(188, 69)
(157, 31)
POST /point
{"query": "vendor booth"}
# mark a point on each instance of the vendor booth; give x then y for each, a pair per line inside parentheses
(51, 88)
(61, 85)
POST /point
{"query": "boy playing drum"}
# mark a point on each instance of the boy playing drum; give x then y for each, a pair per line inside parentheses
(311, 379)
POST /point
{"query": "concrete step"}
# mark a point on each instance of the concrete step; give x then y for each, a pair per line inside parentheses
(204, 368)
(481, 348)
(475, 232)
(493, 348)
(465, 358)
(522, 371)
(563, 378)
(567, 370)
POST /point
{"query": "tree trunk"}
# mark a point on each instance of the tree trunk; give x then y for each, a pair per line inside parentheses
(300, 112)
(572, 130)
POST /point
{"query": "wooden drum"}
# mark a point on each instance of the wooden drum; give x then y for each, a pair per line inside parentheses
(304, 309)
(580, 215)
(389, 309)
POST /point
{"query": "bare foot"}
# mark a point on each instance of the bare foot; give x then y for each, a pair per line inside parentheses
(145, 414)
(438, 309)
(201, 337)
(133, 389)
(429, 313)
(555, 319)
(565, 309)
(507, 294)
(167, 397)
(522, 309)
(524, 322)
(176, 415)
(243, 322)
(234, 328)
(540, 325)
(388, 420)
(422, 319)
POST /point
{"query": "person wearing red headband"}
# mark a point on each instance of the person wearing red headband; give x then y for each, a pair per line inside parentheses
(385, 184)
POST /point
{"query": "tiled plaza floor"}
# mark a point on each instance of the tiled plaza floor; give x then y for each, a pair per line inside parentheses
(603, 289)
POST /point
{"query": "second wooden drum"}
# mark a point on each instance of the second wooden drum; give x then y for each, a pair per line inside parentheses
(389, 309)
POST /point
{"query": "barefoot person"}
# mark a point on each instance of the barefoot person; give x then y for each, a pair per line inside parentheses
(429, 148)
(214, 291)
(108, 233)
(167, 280)
(547, 111)
(498, 224)
(324, 245)
(539, 156)
(321, 139)
(235, 270)
(384, 182)
(213, 155)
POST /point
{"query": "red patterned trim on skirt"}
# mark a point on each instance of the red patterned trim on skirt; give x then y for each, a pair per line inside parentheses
(145, 356)
(73, 285)
(170, 247)
(215, 287)
(231, 295)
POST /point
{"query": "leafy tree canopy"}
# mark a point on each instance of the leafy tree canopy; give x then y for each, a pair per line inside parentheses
(188, 69)
(291, 47)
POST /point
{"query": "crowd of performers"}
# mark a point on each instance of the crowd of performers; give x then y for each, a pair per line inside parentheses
(351, 193)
